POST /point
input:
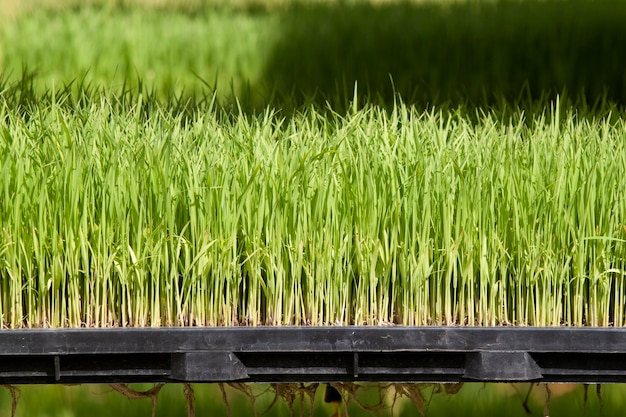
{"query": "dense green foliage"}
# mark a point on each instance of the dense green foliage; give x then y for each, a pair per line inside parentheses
(196, 165)
(122, 217)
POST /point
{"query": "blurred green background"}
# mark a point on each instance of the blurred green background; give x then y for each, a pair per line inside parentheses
(474, 399)
(286, 53)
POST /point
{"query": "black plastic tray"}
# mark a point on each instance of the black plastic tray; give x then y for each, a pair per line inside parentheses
(313, 354)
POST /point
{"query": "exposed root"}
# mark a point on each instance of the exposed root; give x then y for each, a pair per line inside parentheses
(191, 400)
(452, 388)
(526, 398)
(303, 395)
(244, 389)
(350, 393)
(247, 390)
(598, 394)
(525, 403)
(546, 406)
(132, 394)
(225, 399)
(290, 392)
(415, 393)
(16, 394)
(600, 399)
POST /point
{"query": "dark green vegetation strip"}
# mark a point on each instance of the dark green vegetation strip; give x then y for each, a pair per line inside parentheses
(430, 53)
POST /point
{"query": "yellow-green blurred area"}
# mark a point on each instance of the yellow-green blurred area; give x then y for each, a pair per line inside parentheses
(473, 399)
(284, 52)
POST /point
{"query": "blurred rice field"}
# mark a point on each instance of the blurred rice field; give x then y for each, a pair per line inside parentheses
(285, 53)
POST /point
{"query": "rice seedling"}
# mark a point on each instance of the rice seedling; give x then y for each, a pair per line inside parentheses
(126, 218)
(130, 197)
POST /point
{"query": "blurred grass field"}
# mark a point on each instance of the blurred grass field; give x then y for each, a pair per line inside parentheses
(287, 53)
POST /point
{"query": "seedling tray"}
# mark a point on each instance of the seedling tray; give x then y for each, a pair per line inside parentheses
(313, 354)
